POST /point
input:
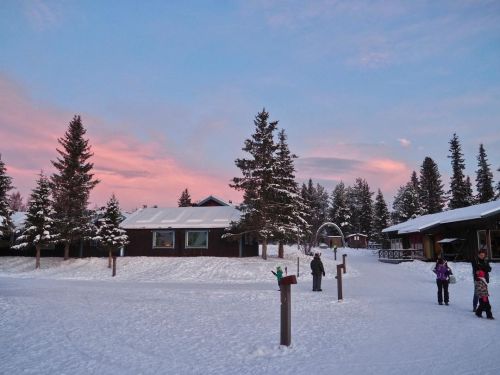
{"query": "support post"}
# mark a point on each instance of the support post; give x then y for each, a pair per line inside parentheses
(339, 281)
(114, 265)
(297, 266)
(286, 309)
(335, 253)
(343, 262)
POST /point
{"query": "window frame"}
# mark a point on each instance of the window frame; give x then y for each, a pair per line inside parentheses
(163, 247)
(195, 247)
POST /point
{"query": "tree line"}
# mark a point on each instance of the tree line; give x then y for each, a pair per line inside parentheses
(57, 210)
(275, 208)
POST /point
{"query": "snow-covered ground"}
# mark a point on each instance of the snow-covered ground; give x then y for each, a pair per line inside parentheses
(221, 316)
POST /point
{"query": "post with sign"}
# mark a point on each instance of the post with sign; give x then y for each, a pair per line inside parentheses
(286, 309)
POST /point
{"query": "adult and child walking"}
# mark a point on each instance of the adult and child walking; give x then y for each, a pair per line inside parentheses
(480, 272)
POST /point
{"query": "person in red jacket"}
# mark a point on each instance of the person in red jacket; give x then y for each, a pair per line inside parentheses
(481, 289)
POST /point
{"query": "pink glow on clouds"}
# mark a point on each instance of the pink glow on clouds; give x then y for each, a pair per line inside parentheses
(138, 172)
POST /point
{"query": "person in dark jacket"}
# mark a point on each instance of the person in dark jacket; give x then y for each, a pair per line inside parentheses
(443, 273)
(481, 287)
(317, 271)
(480, 263)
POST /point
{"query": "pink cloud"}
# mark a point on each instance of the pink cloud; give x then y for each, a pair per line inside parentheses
(138, 172)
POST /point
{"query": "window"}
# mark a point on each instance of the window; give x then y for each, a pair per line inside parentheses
(164, 238)
(197, 239)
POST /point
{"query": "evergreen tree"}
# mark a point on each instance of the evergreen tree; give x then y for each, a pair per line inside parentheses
(381, 219)
(364, 206)
(289, 215)
(257, 182)
(316, 200)
(339, 211)
(71, 185)
(459, 192)
(497, 196)
(484, 178)
(185, 199)
(109, 234)
(16, 202)
(431, 192)
(406, 203)
(39, 224)
(6, 225)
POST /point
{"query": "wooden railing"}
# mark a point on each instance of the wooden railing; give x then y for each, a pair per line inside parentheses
(402, 254)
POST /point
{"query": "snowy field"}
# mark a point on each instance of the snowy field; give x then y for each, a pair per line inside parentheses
(221, 316)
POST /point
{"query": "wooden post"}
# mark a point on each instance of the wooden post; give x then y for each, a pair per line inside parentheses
(343, 262)
(114, 265)
(335, 253)
(297, 266)
(286, 309)
(339, 281)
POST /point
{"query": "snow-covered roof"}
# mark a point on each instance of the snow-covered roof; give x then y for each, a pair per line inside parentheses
(421, 223)
(211, 197)
(181, 217)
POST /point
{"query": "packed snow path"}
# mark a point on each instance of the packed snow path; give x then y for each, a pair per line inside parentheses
(74, 318)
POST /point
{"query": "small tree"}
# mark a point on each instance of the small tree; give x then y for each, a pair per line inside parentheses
(108, 233)
(460, 192)
(16, 203)
(6, 225)
(39, 223)
(339, 211)
(185, 199)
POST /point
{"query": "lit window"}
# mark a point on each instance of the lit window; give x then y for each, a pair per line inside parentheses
(197, 239)
(164, 238)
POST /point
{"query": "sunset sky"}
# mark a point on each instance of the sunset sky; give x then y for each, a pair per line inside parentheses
(168, 90)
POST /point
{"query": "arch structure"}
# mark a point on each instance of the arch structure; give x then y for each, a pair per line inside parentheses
(329, 224)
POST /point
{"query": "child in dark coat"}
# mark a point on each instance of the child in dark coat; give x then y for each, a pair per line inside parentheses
(481, 289)
(443, 273)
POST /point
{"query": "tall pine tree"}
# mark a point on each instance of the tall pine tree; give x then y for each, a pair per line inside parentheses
(460, 193)
(185, 199)
(364, 206)
(39, 224)
(431, 192)
(16, 203)
(6, 225)
(406, 203)
(257, 182)
(289, 214)
(316, 200)
(484, 178)
(109, 234)
(380, 219)
(72, 184)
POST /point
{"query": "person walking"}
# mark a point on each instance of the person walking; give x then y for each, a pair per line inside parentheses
(317, 272)
(481, 287)
(443, 273)
(480, 263)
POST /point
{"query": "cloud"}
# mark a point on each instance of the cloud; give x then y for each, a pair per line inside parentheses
(404, 142)
(137, 171)
(42, 15)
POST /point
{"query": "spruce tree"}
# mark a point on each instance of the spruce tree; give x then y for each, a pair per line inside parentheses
(109, 234)
(339, 211)
(431, 192)
(497, 196)
(39, 224)
(406, 203)
(316, 200)
(72, 184)
(460, 195)
(364, 206)
(6, 225)
(484, 178)
(185, 199)
(257, 181)
(381, 219)
(289, 214)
